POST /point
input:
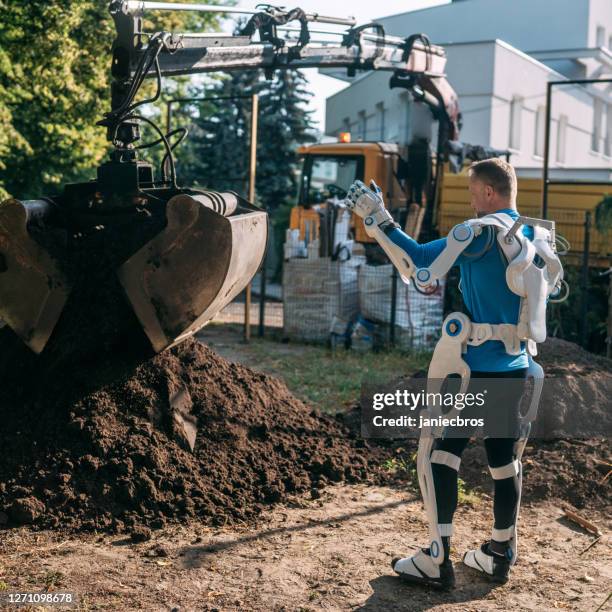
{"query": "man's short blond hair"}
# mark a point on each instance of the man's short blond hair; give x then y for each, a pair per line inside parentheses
(497, 173)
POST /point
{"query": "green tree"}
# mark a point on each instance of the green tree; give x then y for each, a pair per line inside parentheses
(216, 154)
(54, 86)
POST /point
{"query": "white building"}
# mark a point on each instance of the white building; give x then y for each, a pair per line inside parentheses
(501, 54)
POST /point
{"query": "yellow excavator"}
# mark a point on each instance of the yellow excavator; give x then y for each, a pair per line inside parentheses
(179, 255)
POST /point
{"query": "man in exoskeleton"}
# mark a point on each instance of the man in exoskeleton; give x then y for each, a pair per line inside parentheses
(509, 269)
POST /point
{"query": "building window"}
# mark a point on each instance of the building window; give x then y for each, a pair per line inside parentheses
(363, 125)
(561, 138)
(608, 139)
(380, 108)
(516, 108)
(610, 42)
(540, 127)
(600, 37)
(597, 120)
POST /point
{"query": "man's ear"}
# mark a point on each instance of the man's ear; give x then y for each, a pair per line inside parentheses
(489, 192)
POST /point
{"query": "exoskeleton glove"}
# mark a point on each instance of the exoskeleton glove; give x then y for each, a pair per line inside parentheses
(369, 205)
(378, 223)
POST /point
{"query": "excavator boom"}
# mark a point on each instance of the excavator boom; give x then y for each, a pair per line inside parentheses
(415, 63)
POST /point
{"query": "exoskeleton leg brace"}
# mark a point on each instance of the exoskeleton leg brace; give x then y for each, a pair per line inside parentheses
(457, 332)
(446, 360)
(534, 284)
(536, 373)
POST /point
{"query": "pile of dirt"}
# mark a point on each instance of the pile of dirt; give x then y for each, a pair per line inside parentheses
(559, 357)
(570, 471)
(98, 434)
(577, 394)
(109, 447)
(573, 469)
(576, 401)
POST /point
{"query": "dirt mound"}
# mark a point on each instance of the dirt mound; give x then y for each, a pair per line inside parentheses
(566, 470)
(99, 434)
(571, 469)
(108, 447)
(117, 440)
(560, 357)
(577, 398)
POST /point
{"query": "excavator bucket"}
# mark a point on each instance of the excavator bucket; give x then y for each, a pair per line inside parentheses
(207, 248)
(33, 290)
(198, 264)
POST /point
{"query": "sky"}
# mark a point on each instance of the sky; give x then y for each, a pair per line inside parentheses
(323, 86)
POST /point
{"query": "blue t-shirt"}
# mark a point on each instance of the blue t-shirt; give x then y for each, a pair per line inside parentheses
(485, 292)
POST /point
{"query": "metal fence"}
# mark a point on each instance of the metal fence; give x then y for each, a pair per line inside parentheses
(348, 303)
(364, 306)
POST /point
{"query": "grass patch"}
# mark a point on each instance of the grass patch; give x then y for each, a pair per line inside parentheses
(331, 380)
(53, 579)
(405, 467)
(466, 495)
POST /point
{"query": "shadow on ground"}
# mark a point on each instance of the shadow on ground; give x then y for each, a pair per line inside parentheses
(391, 593)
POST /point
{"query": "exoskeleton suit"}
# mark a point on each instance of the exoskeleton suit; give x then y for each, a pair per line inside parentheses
(533, 273)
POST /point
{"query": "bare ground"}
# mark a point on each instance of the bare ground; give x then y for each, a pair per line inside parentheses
(327, 554)
(332, 553)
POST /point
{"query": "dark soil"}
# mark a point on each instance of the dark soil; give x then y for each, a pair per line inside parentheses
(99, 434)
(101, 448)
(102, 440)
(574, 469)
(565, 470)
(560, 357)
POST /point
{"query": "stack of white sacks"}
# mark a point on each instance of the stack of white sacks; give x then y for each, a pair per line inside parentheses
(418, 317)
(322, 296)
(319, 292)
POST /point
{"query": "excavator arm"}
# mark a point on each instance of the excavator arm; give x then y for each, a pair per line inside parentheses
(179, 255)
(414, 62)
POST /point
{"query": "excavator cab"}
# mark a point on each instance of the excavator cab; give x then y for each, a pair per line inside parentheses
(329, 169)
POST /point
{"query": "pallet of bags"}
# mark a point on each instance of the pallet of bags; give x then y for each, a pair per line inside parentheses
(315, 292)
(418, 317)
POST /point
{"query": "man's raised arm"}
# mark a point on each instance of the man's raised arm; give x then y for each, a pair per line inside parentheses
(404, 252)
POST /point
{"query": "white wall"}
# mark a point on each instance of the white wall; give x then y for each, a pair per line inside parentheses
(486, 77)
(519, 75)
(405, 120)
(600, 14)
(470, 69)
(529, 25)
(365, 95)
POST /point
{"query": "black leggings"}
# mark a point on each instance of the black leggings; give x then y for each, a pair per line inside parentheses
(500, 453)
